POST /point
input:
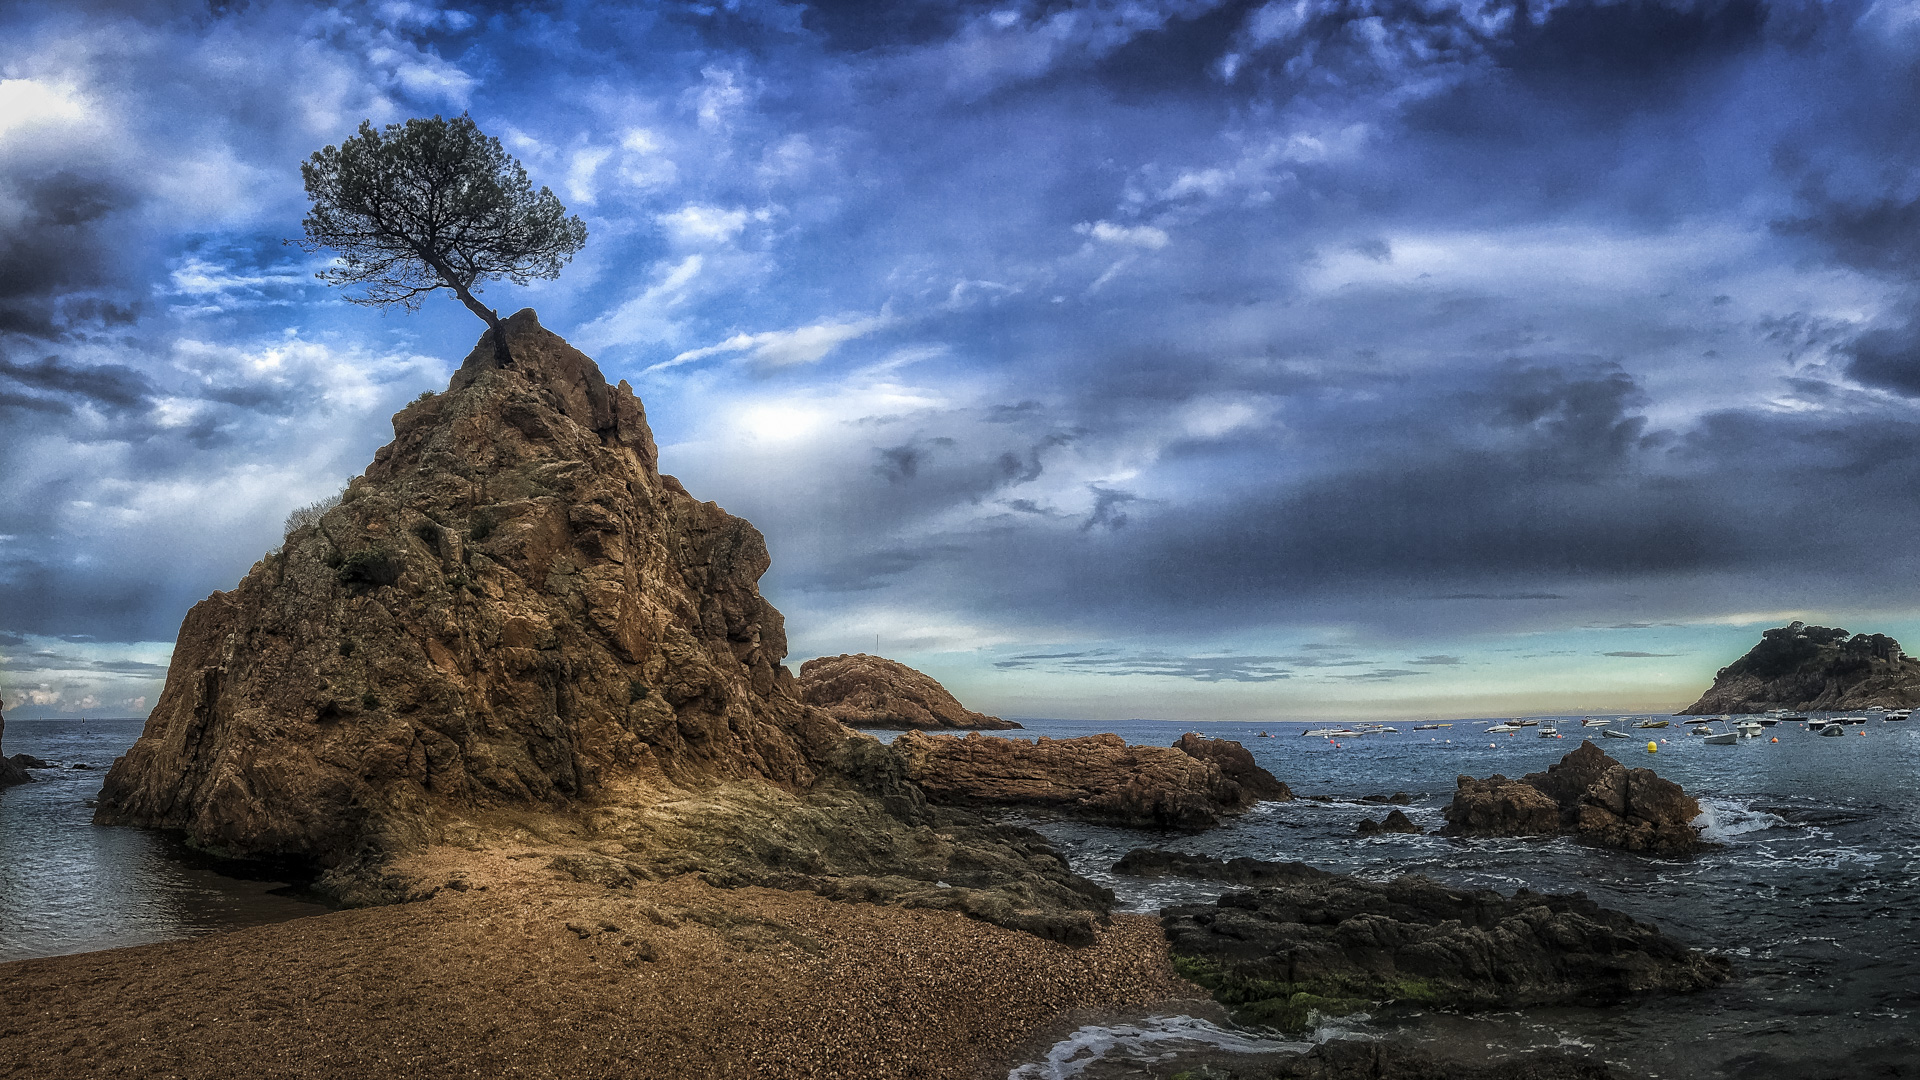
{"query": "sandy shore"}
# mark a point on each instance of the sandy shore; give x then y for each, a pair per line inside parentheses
(519, 975)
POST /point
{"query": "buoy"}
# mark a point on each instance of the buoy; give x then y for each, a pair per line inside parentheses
(1776, 738)
(1490, 746)
(1652, 747)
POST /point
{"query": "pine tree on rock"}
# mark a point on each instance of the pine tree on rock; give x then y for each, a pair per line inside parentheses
(428, 205)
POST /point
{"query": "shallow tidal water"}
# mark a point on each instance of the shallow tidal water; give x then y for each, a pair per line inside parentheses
(68, 885)
(1814, 893)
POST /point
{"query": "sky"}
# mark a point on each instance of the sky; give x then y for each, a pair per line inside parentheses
(1181, 359)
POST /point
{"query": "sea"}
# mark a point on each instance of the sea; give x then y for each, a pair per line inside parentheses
(1813, 889)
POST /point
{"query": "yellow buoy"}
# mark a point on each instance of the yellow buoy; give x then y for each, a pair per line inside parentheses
(1652, 747)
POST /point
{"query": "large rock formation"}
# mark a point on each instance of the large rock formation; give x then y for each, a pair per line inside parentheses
(1309, 941)
(1095, 778)
(1237, 764)
(514, 627)
(1808, 668)
(874, 692)
(1588, 795)
(10, 772)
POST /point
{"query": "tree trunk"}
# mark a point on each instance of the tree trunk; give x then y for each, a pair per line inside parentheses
(492, 320)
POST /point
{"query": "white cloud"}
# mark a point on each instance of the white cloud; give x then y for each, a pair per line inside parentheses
(785, 348)
(26, 103)
(648, 317)
(1138, 236)
(693, 223)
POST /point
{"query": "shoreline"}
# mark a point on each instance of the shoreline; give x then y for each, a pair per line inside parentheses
(517, 975)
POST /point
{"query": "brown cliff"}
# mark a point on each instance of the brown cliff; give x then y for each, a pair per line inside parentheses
(873, 692)
(1587, 795)
(513, 628)
(1095, 778)
(1814, 668)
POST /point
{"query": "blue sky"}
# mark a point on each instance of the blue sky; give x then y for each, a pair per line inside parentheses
(1184, 359)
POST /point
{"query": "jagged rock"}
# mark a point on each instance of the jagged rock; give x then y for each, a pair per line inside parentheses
(28, 761)
(1335, 943)
(1396, 822)
(1807, 668)
(1095, 778)
(1344, 1059)
(514, 629)
(1588, 795)
(12, 770)
(873, 692)
(1236, 761)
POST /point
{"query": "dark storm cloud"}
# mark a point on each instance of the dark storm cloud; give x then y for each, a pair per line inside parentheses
(59, 253)
(55, 384)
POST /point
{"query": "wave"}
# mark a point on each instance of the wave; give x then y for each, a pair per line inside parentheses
(1721, 820)
(1152, 1039)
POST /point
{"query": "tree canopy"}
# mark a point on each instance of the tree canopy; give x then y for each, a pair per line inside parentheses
(433, 204)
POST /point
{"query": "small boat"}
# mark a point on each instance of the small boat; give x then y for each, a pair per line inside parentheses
(1265, 735)
(1591, 722)
(1378, 729)
(1769, 721)
(1896, 716)
(1701, 730)
(1750, 730)
(1430, 727)
(1549, 733)
(1329, 732)
(1501, 729)
(1612, 734)
(1724, 738)
(1524, 723)
(1651, 724)
(1832, 729)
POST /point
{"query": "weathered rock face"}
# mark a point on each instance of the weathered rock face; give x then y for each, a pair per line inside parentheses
(1809, 668)
(1588, 795)
(1236, 762)
(1333, 943)
(11, 772)
(1096, 778)
(512, 625)
(873, 692)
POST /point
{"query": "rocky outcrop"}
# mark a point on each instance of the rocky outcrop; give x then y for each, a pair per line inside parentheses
(514, 626)
(1395, 822)
(873, 692)
(1095, 778)
(1809, 668)
(1587, 795)
(1332, 944)
(1237, 764)
(11, 772)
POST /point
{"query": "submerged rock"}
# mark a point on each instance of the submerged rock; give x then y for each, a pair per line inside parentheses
(1151, 862)
(1331, 943)
(1096, 778)
(12, 770)
(514, 629)
(1587, 795)
(873, 692)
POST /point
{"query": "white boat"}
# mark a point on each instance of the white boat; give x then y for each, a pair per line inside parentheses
(1832, 729)
(1750, 730)
(1430, 727)
(1501, 729)
(1724, 738)
(1897, 715)
(1524, 723)
(1549, 733)
(1591, 722)
(1612, 734)
(1329, 732)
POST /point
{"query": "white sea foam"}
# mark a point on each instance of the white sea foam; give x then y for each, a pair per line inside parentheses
(1153, 1039)
(1721, 820)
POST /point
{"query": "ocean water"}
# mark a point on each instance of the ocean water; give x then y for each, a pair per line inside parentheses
(67, 885)
(1814, 891)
